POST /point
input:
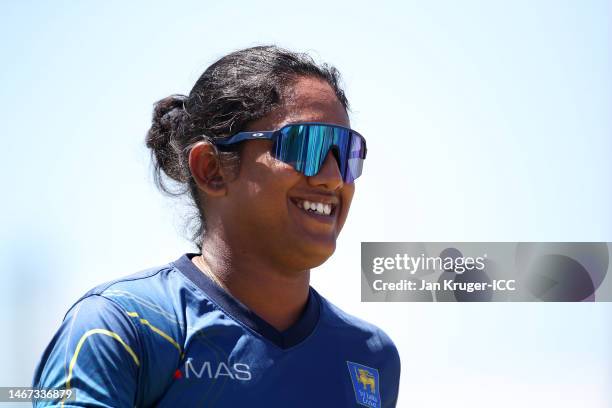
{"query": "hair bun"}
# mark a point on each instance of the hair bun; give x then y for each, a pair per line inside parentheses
(168, 110)
(167, 125)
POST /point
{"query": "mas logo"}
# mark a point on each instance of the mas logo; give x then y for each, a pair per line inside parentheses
(366, 382)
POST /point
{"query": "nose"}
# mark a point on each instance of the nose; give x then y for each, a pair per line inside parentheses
(329, 175)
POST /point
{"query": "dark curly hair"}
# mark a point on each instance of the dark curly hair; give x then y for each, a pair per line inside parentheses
(239, 88)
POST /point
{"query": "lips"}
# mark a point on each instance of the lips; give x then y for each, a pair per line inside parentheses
(320, 207)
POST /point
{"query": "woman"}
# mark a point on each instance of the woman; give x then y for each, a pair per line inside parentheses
(263, 147)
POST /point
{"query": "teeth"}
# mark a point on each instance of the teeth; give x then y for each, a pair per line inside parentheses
(327, 209)
(319, 208)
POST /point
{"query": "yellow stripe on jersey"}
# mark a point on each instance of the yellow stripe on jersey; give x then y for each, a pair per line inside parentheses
(158, 331)
(82, 341)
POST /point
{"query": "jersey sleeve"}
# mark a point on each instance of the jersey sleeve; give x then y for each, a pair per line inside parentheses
(96, 353)
(392, 366)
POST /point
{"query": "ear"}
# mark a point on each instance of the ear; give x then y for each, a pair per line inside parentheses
(206, 169)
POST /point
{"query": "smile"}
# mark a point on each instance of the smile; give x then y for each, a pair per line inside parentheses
(315, 207)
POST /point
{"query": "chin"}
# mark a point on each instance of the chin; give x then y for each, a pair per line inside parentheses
(317, 253)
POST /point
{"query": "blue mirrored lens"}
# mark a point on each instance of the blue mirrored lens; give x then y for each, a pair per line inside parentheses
(306, 146)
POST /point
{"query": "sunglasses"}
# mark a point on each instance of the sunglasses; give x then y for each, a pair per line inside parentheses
(305, 146)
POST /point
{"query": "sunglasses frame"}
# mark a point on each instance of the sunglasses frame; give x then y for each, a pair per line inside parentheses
(273, 135)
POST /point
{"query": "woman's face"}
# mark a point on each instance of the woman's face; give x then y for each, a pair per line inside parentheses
(268, 195)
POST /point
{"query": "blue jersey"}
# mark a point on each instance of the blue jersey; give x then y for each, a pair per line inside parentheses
(170, 337)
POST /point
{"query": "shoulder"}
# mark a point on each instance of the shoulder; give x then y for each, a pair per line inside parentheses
(154, 303)
(153, 291)
(120, 331)
(154, 300)
(148, 283)
(143, 314)
(347, 326)
(146, 299)
(363, 345)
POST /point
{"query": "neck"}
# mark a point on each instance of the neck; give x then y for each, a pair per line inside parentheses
(278, 296)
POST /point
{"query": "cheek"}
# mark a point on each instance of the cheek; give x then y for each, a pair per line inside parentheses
(347, 193)
(278, 175)
(275, 165)
(269, 181)
(347, 197)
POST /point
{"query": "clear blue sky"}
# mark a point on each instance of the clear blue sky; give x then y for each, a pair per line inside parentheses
(485, 120)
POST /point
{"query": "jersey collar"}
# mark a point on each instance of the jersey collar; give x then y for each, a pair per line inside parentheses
(283, 339)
